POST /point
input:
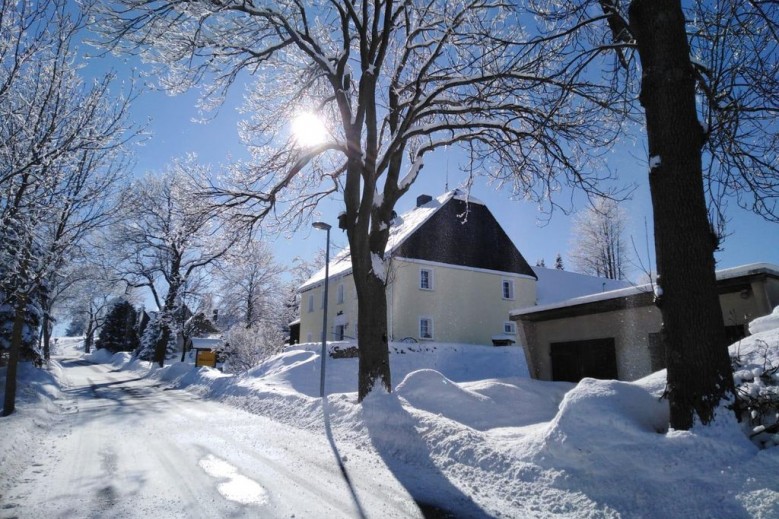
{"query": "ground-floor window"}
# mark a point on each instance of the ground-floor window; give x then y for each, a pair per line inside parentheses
(425, 328)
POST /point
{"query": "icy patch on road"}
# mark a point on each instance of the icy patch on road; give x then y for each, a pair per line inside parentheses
(238, 487)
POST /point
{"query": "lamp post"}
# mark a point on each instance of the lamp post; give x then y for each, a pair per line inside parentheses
(322, 226)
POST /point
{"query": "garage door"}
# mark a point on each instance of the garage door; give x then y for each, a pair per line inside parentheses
(572, 361)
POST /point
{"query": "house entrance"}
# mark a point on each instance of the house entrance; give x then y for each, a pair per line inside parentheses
(575, 360)
(339, 332)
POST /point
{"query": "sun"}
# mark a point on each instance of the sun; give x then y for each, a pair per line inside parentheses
(308, 130)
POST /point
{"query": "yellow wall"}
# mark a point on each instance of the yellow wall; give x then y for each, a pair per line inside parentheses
(466, 305)
(311, 322)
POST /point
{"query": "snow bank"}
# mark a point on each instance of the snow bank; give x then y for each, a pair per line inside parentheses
(36, 410)
(765, 323)
(467, 430)
(99, 356)
(483, 405)
(608, 443)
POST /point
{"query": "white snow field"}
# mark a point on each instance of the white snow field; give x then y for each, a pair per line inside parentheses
(466, 433)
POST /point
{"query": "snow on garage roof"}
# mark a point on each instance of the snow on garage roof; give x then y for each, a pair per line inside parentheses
(729, 273)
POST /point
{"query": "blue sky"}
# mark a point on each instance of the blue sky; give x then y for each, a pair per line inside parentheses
(174, 134)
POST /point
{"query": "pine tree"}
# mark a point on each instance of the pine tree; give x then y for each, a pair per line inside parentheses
(152, 334)
(558, 262)
(77, 326)
(118, 332)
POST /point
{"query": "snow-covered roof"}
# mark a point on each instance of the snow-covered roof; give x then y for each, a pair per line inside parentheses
(206, 342)
(730, 273)
(402, 227)
(749, 269)
(560, 285)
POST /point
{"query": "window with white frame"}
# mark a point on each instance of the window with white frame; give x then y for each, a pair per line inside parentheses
(508, 289)
(339, 295)
(425, 279)
(425, 328)
(310, 303)
(509, 328)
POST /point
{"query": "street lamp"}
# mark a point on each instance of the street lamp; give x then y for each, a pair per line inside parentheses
(322, 226)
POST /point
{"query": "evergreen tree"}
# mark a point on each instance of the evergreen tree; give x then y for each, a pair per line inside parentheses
(153, 334)
(77, 326)
(118, 331)
(558, 262)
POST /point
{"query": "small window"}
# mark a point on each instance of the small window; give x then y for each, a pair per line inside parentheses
(426, 279)
(508, 289)
(339, 295)
(509, 328)
(322, 300)
(309, 338)
(425, 328)
(310, 303)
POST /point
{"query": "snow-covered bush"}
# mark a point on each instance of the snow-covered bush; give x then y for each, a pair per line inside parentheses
(755, 362)
(246, 347)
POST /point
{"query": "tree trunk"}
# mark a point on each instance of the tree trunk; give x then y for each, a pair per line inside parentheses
(161, 348)
(46, 329)
(167, 317)
(372, 340)
(699, 373)
(9, 404)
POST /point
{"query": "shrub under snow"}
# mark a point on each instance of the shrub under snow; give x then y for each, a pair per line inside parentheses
(756, 374)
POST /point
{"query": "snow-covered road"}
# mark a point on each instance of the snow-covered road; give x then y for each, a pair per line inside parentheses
(128, 447)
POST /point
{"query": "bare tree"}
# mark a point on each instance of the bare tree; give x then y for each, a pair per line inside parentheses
(391, 82)
(599, 246)
(709, 99)
(58, 140)
(89, 290)
(167, 239)
(249, 286)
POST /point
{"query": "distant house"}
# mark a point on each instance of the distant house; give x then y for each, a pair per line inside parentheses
(615, 334)
(454, 277)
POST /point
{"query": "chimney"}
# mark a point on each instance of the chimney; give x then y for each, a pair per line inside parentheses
(423, 199)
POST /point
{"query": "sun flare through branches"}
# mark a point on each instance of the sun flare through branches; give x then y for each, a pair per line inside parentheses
(308, 130)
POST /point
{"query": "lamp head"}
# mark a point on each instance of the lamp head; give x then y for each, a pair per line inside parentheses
(322, 226)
